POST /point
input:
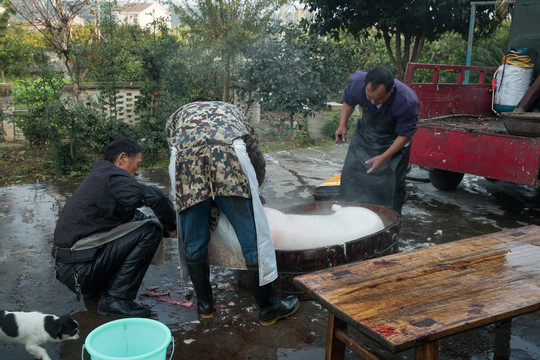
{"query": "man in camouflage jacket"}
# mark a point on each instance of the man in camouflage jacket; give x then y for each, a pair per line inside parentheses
(206, 163)
(206, 137)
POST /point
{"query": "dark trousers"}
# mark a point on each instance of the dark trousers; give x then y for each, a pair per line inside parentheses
(196, 230)
(118, 268)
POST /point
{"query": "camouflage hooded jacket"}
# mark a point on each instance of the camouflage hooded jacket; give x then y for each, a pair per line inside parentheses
(206, 163)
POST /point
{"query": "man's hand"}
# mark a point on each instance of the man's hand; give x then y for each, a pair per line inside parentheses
(341, 134)
(173, 234)
(377, 162)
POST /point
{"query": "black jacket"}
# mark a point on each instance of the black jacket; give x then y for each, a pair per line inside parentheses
(107, 197)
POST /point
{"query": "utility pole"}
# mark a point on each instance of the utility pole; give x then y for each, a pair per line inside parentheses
(474, 4)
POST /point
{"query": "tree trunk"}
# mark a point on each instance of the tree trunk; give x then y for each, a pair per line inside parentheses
(401, 55)
(291, 121)
(73, 76)
(226, 85)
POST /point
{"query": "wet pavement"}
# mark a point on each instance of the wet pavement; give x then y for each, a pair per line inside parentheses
(478, 206)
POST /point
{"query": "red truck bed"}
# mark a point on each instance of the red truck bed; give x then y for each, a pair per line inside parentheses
(459, 133)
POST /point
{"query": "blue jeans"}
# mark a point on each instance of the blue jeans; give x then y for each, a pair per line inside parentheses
(196, 228)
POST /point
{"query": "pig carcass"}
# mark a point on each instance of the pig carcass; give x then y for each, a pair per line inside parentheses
(296, 232)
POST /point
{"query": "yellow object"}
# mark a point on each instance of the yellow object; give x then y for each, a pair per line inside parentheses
(207, 316)
(514, 58)
(333, 181)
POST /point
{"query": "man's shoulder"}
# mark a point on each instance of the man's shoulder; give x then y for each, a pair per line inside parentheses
(204, 113)
(207, 106)
(358, 76)
(106, 172)
(406, 93)
(105, 166)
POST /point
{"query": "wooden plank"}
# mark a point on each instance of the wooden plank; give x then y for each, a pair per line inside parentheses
(430, 258)
(426, 294)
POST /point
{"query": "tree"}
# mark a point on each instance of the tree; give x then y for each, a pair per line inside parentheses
(54, 20)
(224, 29)
(4, 19)
(16, 55)
(403, 24)
(105, 59)
(294, 72)
(158, 98)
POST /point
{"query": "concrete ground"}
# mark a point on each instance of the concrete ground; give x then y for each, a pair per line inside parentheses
(27, 219)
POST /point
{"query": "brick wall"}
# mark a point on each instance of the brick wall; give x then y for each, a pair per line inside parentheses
(128, 92)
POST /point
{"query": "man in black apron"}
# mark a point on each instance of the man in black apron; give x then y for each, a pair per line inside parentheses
(378, 155)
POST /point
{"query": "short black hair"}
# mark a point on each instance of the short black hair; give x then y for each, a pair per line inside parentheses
(121, 145)
(380, 76)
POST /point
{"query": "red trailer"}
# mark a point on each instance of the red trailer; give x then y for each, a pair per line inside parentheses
(459, 133)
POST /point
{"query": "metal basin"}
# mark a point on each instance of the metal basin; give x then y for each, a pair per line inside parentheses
(523, 124)
(292, 263)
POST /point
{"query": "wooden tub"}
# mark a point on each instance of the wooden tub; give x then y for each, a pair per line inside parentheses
(292, 263)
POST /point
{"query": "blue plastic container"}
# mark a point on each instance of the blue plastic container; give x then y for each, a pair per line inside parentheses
(129, 339)
(503, 108)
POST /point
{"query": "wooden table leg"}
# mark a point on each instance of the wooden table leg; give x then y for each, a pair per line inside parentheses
(335, 349)
(502, 340)
(429, 351)
(337, 339)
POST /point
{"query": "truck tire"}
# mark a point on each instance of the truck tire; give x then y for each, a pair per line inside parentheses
(445, 180)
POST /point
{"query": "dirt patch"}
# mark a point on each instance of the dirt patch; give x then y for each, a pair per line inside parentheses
(24, 164)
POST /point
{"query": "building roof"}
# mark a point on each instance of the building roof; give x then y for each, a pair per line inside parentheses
(135, 8)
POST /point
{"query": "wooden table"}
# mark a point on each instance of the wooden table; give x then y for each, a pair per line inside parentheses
(413, 299)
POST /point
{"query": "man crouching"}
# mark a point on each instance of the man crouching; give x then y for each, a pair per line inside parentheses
(103, 245)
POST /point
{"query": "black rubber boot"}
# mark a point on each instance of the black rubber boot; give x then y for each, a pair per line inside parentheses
(271, 307)
(199, 272)
(112, 306)
(128, 260)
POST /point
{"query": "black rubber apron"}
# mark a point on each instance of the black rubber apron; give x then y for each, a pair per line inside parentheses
(373, 135)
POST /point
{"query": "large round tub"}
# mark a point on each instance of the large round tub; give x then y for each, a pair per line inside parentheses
(292, 263)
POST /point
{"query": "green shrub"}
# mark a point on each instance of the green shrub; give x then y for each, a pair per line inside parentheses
(35, 126)
(152, 136)
(33, 98)
(330, 127)
(68, 162)
(3, 117)
(76, 134)
(37, 92)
